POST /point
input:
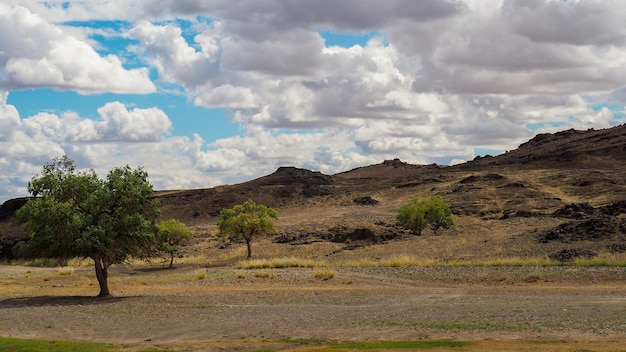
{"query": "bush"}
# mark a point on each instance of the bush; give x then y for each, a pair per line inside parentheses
(418, 214)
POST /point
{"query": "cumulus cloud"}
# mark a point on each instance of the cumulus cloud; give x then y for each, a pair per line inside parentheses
(41, 54)
(119, 124)
(172, 56)
(9, 118)
(26, 144)
(523, 47)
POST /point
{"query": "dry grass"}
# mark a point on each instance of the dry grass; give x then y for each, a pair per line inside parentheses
(66, 271)
(277, 263)
(201, 274)
(324, 273)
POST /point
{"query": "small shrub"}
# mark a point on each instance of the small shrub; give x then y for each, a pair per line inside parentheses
(240, 275)
(201, 274)
(66, 271)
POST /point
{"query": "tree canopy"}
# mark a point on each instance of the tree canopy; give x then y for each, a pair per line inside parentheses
(172, 234)
(77, 214)
(247, 221)
(418, 213)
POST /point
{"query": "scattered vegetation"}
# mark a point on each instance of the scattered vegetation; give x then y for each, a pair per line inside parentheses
(247, 221)
(406, 261)
(418, 214)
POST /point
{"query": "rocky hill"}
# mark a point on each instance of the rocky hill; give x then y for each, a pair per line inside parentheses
(557, 192)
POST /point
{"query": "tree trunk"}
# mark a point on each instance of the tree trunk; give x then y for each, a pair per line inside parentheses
(249, 249)
(171, 260)
(102, 274)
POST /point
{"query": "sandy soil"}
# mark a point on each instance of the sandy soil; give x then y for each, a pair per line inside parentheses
(232, 308)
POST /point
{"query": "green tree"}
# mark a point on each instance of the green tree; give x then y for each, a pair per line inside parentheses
(172, 233)
(417, 214)
(247, 221)
(77, 214)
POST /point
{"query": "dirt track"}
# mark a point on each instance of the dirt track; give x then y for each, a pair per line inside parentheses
(176, 309)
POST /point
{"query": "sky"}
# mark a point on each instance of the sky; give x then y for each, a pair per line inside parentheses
(205, 93)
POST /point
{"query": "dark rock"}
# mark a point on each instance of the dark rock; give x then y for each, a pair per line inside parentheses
(8, 208)
(575, 211)
(314, 191)
(518, 214)
(616, 248)
(395, 163)
(594, 228)
(615, 208)
(469, 179)
(583, 183)
(367, 200)
(567, 255)
(488, 177)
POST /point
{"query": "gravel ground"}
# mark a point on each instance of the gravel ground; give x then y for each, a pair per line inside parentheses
(172, 308)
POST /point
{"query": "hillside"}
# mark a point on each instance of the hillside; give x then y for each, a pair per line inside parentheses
(557, 192)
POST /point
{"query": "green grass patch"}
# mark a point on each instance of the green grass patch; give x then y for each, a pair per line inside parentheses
(601, 261)
(26, 345)
(29, 345)
(399, 345)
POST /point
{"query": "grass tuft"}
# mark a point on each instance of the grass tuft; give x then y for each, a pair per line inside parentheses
(265, 274)
(324, 273)
(66, 271)
(240, 274)
(201, 274)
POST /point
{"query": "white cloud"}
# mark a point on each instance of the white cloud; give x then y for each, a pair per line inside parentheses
(119, 124)
(296, 52)
(170, 54)
(9, 118)
(40, 54)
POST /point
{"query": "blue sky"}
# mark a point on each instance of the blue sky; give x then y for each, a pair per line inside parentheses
(208, 93)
